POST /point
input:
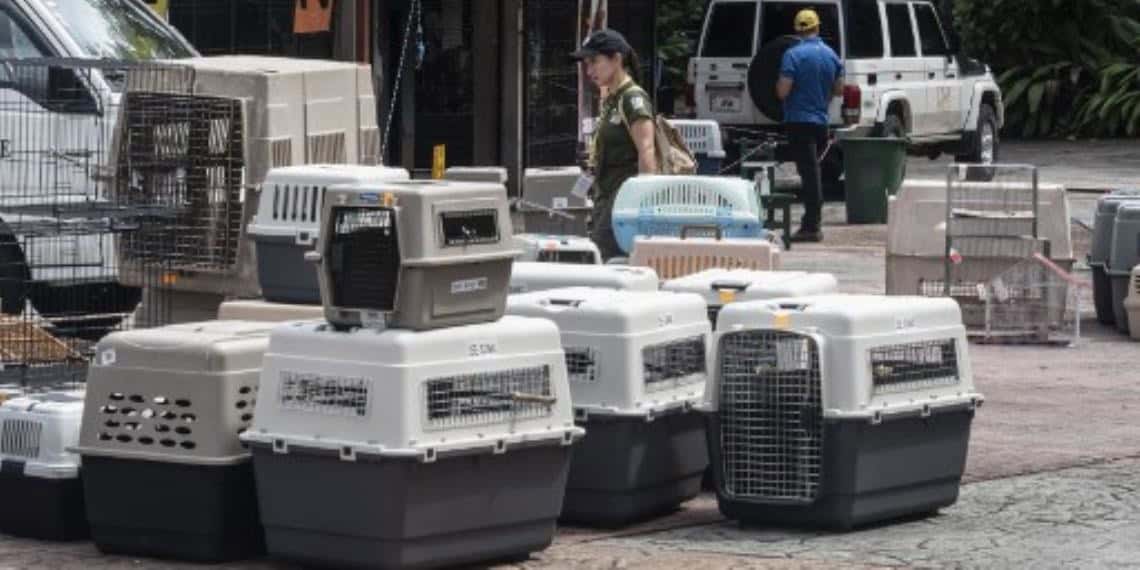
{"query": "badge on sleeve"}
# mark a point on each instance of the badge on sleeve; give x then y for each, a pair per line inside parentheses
(637, 101)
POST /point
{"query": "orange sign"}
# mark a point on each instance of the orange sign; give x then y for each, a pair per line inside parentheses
(312, 16)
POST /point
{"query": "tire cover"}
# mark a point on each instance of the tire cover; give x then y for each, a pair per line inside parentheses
(763, 73)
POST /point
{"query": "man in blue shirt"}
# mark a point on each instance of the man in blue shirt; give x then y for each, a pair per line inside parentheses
(811, 74)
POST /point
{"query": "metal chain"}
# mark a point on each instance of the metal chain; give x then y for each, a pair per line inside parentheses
(413, 15)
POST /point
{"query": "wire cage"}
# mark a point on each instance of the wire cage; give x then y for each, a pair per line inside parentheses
(61, 214)
(1033, 302)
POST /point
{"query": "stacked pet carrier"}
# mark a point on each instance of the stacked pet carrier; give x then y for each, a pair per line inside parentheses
(39, 476)
(839, 411)
(1124, 255)
(163, 471)
(287, 224)
(664, 205)
(491, 174)
(637, 365)
(704, 141)
(549, 204)
(258, 310)
(678, 257)
(1103, 226)
(558, 249)
(719, 287)
(438, 430)
(527, 276)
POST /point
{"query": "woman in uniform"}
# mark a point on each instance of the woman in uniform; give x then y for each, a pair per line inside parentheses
(622, 145)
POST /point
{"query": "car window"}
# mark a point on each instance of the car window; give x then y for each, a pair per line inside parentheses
(118, 29)
(930, 31)
(14, 41)
(864, 30)
(901, 30)
(730, 31)
(779, 20)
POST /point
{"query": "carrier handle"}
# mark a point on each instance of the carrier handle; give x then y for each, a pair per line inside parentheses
(575, 303)
(717, 229)
(729, 286)
(533, 398)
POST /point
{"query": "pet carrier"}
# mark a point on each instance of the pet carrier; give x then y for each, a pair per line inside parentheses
(1132, 304)
(704, 141)
(39, 477)
(1032, 302)
(1124, 254)
(531, 276)
(491, 174)
(662, 205)
(1103, 223)
(418, 255)
(431, 448)
(720, 287)
(163, 471)
(839, 411)
(677, 257)
(549, 205)
(558, 249)
(287, 224)
(258, 310)
(636, 363)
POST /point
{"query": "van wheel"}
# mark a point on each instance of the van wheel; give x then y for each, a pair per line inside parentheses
(15, 277)
(984, 145)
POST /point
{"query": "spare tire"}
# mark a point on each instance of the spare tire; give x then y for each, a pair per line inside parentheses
(763, 73)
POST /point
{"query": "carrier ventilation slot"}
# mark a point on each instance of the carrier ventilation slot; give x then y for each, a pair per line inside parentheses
(488, 397)
(673, 364)
(328, 148)
(21, 438)
(140, 420)
(581, 363)
(281, 153)
(324, 394)
(771, 418)
(902, 367)
(557, 256)
(365, 258)
(474, 227)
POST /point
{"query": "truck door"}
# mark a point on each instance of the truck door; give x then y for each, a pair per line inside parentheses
(720, 70)
(944, 92)
(906, 71)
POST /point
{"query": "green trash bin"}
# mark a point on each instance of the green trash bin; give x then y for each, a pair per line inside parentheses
(873, 169)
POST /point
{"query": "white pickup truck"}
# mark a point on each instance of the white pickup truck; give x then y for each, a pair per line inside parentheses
(56, 124)
(904, 74)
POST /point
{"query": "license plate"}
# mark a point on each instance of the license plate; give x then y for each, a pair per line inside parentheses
(724, 103)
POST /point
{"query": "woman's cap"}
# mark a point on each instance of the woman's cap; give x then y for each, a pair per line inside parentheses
(602, 41)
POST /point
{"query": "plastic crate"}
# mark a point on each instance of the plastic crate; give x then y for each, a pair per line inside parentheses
(719, 287)
(558, 249)
(287, 224)
(431, 448)
(839, 411)
(492, 174)
(637, 364)
(678, 257)
(1132, 304)
(39, 476)
(420, 254)
(664, 205)
(528, 276)
(1124, 254)
(704, 140)
(1103, 222)
(266, 312)
(551, 188)
(164, 472)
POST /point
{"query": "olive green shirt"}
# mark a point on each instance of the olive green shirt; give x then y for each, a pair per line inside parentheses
(616, 158)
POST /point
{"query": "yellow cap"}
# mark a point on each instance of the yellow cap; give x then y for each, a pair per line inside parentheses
(807, 20)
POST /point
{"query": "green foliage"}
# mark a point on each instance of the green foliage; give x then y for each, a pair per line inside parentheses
(679, 25)
(1066, 67)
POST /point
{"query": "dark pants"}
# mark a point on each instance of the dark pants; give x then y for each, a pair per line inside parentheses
(602, 229)
(807, 141)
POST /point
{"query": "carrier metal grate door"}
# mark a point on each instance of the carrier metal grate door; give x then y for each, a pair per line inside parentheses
(771, 423)
(365, 258)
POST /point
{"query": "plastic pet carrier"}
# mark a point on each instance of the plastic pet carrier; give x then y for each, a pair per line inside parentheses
(266, 312)
(548, 204)
(163, 470)
(720, 287)
(663, 205)
(558, 249)
(838, 411)
(429, 448)
(528, 276)
(636, 363)
(417, 255)
(1103, 224)
(677, 257)
(287, 224)
(491, 174)
(1124, 254)
(1132, 304)
(39, 476)
(704, 141)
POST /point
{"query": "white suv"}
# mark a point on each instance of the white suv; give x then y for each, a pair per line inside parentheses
(904, 76)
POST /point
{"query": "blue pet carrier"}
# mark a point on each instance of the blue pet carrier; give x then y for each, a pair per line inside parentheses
(663, 205)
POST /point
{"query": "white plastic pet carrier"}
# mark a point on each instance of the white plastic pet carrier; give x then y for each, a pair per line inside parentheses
(704, 141)
(492, 174)
(418, 254)
(677, 257)
(287, 224)
(529, 276)
(266, 312)
(720, 287)
(558, 249)
(664, 205)
(441, 447)
(637, 364)
(839, 410)
(164, 410)
(39, 478)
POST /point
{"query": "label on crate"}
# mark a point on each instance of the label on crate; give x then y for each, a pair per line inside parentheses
(482, 348)
(107, 357)
(560, 202)
(468, 286)
(582, 186)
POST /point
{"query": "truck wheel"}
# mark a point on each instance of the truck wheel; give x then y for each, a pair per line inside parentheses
(15, 277)
(984, 144)
(764, 72)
